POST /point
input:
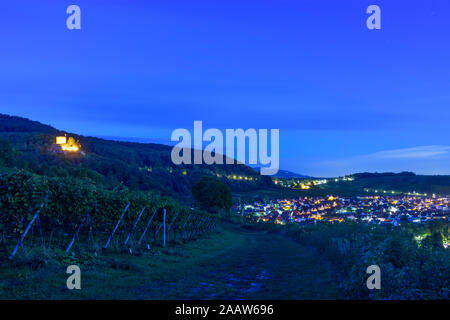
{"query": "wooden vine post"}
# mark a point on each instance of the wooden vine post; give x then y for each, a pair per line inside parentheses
(117, 225)
(164, 227)
(147, 226)
(22, 237)
(87, 222)
(134, 226)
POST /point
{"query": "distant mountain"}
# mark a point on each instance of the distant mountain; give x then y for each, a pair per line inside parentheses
(285, 174)
(363, 175)
(139, 166)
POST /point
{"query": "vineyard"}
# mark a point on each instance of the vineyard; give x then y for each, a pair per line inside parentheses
(76, 215)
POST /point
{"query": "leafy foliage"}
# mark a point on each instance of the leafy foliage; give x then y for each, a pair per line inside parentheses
(69, 200)
(409, 270)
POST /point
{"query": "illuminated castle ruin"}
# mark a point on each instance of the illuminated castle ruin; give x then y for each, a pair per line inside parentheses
(63, 145)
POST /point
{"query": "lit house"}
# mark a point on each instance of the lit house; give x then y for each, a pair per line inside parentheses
(63, 145)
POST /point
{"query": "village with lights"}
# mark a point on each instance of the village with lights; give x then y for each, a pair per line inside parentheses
(371, 209)
(306, 184)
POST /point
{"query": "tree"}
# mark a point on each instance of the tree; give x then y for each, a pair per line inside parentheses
(211, 194)
(7, 153)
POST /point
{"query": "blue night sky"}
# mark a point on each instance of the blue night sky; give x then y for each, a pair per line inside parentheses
(346, 99)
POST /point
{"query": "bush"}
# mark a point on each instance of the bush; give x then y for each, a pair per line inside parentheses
(409, 270)
(212, 195)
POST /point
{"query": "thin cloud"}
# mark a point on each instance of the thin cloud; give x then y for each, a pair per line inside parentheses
(422, 152)
(421, 159)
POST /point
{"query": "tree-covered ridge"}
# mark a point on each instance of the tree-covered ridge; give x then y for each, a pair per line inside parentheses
(17, 124)
(399, 182)
(138, 166)
(361, 184)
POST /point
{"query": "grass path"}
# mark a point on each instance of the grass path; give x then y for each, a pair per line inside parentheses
(232, 264)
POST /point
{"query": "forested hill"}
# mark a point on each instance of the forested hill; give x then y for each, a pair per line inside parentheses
(386, 182)
(18, 124)
(26, 144)
(403, 182)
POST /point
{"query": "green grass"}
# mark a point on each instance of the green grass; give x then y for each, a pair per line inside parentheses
(232, 264)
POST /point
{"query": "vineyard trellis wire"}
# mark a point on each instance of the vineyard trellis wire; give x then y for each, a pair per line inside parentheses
(130, 233)
(30, 224)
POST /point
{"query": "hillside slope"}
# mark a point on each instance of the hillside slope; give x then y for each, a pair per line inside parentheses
(385, 183)
(136, 165)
